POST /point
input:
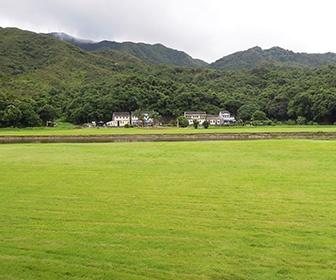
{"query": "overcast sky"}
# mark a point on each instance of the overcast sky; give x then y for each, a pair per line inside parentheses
(206, 29)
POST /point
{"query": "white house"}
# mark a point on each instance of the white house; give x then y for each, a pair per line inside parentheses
(199, 116)
(214, 120)
(223, 118)
(120, 119)
(226, 118)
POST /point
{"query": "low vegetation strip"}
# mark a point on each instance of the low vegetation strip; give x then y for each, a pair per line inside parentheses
(166, 137)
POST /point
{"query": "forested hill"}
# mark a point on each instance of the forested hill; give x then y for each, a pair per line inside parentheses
(256, 56)
(152, 54)
(42, 78)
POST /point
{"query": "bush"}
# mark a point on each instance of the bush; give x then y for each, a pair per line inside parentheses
(182, 121)
(206, 124)
(259, 116)
(127, 126)
(291, 122)
(301, 120)
(196, 124)
(262, 123)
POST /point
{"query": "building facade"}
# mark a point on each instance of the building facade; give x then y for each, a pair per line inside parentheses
(214, 120)
(198, 116)
(223, 118)
(226, 118)
(120, 119)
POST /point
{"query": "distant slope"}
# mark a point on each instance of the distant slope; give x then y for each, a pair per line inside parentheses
(152, 54)
(256, 56)
(32, 63)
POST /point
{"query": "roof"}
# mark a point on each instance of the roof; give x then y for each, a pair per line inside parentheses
(121, 114)
(213, 117)
(195, 113)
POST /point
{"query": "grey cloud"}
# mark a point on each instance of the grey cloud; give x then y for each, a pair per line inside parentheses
(206, 29)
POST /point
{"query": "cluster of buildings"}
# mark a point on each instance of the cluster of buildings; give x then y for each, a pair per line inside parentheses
(122, 119)
(223, 118)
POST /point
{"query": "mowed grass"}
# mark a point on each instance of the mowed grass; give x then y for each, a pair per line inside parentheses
(210, 210)
(71, 130)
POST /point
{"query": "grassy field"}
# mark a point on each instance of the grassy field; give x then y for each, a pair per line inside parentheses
(71, 130)
(210, 210)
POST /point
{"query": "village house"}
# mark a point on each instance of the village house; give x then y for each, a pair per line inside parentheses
(226, 118)
(120, 119)
(214, 120)
(223, 118)
(199, 116)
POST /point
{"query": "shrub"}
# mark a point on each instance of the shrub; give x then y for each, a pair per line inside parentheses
(196, 124)
(291, 122)
(259, 116)
(262, 123)
(301, 120)
(182, 121)
(206, 124)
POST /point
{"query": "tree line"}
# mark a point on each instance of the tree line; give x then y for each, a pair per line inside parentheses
(262, 95)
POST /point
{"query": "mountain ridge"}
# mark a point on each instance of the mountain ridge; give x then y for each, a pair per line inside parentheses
(149, 53)
(246, 59)
(256, 56)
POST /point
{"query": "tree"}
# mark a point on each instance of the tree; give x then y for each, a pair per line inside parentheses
(259, 116)
(12, 115)
(233, 105)
(154, 116)
(182, 121)
(278, 107)
(29, 116)
(196, 124)
(206, 124)
(301, 105)
(47, 113)
(3, 106)
(245, 112)
(324, 107)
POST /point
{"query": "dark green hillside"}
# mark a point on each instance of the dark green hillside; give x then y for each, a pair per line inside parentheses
(44, 78)
(256, 56)
(152, 54)
(29, 59)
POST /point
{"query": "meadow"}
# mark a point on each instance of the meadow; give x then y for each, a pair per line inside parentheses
(73, 130)
(210, 210)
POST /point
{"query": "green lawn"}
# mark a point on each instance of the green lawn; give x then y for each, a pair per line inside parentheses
(104, 131)
(210, 210)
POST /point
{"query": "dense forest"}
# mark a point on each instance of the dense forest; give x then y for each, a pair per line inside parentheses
(43, 78)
